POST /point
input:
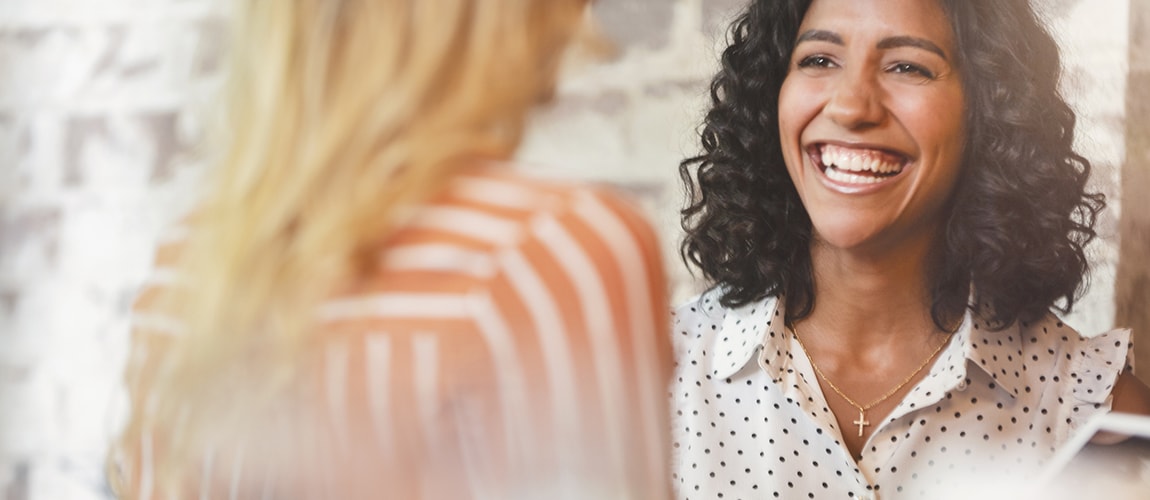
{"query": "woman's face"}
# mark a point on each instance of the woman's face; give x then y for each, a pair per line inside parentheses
(871, 120)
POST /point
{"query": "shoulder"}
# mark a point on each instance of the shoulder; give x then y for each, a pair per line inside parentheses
(697, 323)
(1099, 369)
(699, 311)
(1084, 369)
(1073, 349)
(579, 246)
(542, 206)
(1049, 345)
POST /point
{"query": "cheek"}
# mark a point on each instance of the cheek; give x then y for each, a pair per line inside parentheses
(793, 97)
(937, 125)
(948, 141)
(794, 113)
(941, 116)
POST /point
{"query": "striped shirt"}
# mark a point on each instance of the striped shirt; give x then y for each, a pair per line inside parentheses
(511, 344)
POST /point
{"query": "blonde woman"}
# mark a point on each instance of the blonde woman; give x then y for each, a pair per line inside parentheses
(371, 304)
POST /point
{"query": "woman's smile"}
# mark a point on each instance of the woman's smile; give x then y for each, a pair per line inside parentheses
(856, 169)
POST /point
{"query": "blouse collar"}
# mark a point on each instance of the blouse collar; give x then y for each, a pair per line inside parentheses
(759, 325)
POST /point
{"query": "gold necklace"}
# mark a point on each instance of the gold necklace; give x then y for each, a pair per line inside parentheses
(862, 421)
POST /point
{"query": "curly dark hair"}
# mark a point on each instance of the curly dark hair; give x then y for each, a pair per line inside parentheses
(1017, 223)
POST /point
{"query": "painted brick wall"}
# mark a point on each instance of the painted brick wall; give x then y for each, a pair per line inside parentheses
(98, 114)
(101, 108)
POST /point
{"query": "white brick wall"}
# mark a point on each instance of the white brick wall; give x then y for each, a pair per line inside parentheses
(102, 100)
(95, 131)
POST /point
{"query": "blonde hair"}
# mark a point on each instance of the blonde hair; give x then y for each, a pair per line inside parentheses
(340, 114)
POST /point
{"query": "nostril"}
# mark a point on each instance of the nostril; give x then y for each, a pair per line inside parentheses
(854, 107)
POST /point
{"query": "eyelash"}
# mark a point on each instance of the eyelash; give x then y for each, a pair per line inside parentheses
(816, 62)
(912, 68)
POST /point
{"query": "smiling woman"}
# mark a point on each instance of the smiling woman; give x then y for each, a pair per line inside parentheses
(888, 205)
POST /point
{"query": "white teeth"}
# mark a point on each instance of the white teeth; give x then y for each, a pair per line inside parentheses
(853, 160)
(846, 178)
(855, 163)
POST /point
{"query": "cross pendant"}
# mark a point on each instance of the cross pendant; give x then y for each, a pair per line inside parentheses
(861, 422)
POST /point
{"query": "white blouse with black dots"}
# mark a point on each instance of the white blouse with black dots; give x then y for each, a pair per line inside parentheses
(750, 420)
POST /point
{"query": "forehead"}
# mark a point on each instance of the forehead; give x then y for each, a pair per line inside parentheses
(862, 19)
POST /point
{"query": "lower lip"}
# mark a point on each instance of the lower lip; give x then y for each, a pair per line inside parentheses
(850, 187)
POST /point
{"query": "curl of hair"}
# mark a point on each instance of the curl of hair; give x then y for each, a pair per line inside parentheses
(1020, 216)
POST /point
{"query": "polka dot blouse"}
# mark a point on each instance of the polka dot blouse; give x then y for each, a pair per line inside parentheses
(751, 422)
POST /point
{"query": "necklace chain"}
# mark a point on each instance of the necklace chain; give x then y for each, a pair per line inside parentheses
(861, 422)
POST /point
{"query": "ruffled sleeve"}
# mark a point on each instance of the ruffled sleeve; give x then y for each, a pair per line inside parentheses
(1095, 364)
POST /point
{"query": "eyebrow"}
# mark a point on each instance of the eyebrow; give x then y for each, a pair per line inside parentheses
(819, 36)
(885, 43)
(910, 41)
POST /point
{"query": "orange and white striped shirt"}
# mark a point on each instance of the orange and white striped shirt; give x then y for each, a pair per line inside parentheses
(511, 344)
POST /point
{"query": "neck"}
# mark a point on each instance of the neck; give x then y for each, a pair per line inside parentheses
(864, 300)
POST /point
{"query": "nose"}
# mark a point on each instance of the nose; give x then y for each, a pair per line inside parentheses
(856, 100)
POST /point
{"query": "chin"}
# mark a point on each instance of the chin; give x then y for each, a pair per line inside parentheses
(844, 227)
(843, 235)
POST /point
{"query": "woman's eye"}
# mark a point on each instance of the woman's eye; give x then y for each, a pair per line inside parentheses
(912, 70)
(816, 62)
